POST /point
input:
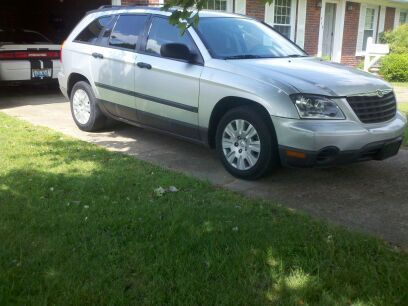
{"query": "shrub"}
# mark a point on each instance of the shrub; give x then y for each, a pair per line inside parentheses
(394, 67)
(398, 39)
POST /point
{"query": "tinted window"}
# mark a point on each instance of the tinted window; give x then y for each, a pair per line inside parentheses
(244, 38)
(162, 32)
(22, 37)
(127, 30)
(91, 33)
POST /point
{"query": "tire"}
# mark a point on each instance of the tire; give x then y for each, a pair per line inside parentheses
(96, 120)
(248, 163)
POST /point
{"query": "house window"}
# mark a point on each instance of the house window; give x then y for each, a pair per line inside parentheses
(368, 26)
(217, 5)
(280, 15)
(403, 18)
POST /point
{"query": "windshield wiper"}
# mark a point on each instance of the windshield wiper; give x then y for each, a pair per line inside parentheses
(295, 55)
(243, 56)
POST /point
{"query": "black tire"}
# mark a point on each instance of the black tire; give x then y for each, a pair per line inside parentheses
(268, 157)
(97, 120)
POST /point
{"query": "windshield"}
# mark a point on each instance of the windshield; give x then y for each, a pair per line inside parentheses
(230, 38)
(22, 37)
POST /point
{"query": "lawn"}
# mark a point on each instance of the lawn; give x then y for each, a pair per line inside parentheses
(80, 225)
(404, 107)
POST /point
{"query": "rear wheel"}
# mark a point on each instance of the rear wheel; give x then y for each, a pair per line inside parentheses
(246, 143)
(84, 109)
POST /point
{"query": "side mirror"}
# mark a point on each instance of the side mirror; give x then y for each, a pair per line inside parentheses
(177, 51)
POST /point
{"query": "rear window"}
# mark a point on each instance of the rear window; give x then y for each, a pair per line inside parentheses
(127, 31)
(22, 37)
(91, 33)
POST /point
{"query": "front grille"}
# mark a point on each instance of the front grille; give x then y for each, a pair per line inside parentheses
(373, 109)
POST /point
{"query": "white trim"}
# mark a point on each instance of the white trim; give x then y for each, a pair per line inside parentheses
(116, 2)
(338, 29)
(301, 23)
(396, 17)
(270, 16)
(240, 7)
(381, 22)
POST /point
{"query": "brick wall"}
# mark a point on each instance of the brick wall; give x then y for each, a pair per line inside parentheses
(312, 27)
(139, 2)
(256, 9)
(389, 18)
(351, 20)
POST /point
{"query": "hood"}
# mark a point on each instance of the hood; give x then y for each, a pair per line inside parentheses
(310, 75)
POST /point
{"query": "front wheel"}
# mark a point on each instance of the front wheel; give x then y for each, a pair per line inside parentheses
(246, 143)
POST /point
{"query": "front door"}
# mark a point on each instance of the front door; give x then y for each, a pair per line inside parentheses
(166, 89)
(328, 29)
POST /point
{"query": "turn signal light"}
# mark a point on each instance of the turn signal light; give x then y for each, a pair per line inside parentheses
(295, 154)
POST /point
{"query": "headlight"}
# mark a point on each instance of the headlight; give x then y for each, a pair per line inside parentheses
(316, 107)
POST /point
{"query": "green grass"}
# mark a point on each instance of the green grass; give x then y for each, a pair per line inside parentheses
(80, 225)
(404, 107)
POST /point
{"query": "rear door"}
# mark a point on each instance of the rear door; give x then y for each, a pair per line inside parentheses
(114, 64)
(166, 89)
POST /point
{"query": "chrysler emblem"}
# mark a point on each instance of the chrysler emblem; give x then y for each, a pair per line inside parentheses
(381, 93)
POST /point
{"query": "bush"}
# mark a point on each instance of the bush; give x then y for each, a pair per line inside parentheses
(394, 67)
(398, 39)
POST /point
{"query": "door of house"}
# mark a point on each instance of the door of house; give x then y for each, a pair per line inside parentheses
(328, 29)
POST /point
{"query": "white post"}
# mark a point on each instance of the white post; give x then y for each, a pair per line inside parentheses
(367, 54)
(116, 2)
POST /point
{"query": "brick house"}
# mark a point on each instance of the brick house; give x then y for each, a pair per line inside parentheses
(337, 29)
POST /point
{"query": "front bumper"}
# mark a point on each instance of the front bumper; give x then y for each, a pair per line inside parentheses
(324, 142)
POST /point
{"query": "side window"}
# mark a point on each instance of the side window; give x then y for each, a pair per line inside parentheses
(162, 32)
(91, 33)
(127, 31)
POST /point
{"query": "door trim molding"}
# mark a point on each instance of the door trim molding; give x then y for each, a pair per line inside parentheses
(147, 97)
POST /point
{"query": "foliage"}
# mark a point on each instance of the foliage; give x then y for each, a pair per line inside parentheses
(184, 12)
(404, 108)
(83, 226)
(398, 39)
(394, 67)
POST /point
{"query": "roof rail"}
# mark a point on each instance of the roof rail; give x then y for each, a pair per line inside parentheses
(108, 6)
(152, 6)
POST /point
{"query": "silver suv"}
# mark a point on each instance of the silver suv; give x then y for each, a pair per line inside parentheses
(231, 83)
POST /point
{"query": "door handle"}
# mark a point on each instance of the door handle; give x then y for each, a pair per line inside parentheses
(97, 55)
(144, 65)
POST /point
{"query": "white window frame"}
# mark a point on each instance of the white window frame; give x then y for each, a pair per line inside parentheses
(338, 29)
(361, 27)
(270, 16)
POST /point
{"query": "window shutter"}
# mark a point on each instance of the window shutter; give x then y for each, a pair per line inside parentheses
(269, 13)
(361, 22)
(240, 6)
(301, 22)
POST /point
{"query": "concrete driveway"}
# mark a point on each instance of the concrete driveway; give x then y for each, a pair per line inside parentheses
(371, 197)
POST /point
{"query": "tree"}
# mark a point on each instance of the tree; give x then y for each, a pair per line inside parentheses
(185, 12)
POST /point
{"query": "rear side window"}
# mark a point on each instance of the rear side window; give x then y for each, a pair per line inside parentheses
(162, 32)
(91, 33)
(127, 30)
